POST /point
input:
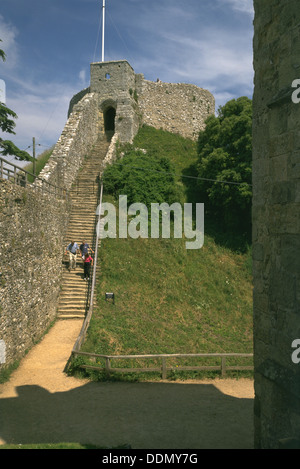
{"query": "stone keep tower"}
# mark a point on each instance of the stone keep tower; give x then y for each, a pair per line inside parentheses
(119, 101)
(126, 101)
(114, 83)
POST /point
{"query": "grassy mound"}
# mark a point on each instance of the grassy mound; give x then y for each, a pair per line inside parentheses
(169, 299)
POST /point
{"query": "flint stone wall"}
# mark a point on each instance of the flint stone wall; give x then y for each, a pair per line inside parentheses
(176, 107)
(77, 139)
(32, 227)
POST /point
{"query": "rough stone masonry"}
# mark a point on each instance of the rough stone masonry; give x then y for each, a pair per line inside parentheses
(276, 223)
(119, 101)
(176, 107)
(32, 227)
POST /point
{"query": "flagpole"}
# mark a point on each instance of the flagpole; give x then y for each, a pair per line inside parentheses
(103, 27)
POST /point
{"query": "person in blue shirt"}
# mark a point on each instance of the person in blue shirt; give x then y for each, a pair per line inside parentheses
(72, 250)
(85, 249)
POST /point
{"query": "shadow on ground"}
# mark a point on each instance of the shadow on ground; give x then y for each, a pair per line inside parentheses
(142, 415)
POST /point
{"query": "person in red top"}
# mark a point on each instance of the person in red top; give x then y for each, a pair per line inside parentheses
(88, 261)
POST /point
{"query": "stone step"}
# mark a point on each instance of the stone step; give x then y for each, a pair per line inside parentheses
(68, 300)
(82, 222)
(87, 228)
(80, 218)
(71, 305)
(79, 223)
(69, 297)
(70, 316)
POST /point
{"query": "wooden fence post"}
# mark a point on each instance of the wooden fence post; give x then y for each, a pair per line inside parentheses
(223, 367)
(164, 368)
(107, 366)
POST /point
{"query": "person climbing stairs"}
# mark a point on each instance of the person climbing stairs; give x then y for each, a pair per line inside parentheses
(73, 299)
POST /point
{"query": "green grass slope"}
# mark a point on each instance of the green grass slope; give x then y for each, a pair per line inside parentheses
(169, 299)
(41, 161)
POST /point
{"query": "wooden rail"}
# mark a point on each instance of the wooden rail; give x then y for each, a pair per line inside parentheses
(163, 369)
(20, 176)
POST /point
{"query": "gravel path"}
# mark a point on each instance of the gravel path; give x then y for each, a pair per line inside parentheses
(40, 404)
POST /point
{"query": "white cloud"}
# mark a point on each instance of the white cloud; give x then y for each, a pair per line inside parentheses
(217, 61)
(41, 106)
(8, 34)
(42, 113)
(83, 78)
(180, 42)
(245, 6)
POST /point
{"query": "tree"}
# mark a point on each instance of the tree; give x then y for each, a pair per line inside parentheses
(7, 125)
(2, 53)
(143, 178)
(225, 154)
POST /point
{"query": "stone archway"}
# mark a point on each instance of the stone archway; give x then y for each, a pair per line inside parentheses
(108, 109)
(109, 120)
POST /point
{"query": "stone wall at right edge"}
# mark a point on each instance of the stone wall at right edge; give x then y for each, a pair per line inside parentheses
(276, 224)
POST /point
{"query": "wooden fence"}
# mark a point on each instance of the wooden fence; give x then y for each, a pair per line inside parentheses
(223, 367)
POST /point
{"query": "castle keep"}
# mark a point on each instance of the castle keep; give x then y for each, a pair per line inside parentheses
(126, 100)
(115, 105)
(119, 101)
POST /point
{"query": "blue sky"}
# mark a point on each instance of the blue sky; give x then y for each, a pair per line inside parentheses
(50, 44)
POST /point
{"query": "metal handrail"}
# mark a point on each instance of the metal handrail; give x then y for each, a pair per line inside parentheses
(4, 171)
(96, 252)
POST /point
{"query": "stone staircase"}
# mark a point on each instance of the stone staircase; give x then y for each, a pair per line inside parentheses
(84, 198)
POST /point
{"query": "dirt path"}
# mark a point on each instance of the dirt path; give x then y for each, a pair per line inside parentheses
(40, 404)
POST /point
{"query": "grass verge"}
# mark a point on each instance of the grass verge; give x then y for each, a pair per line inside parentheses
(169, 299)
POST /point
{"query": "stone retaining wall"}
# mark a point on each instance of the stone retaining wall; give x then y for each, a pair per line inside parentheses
(32, 228)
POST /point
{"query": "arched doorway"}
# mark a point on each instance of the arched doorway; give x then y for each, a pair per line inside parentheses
(109, 121)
